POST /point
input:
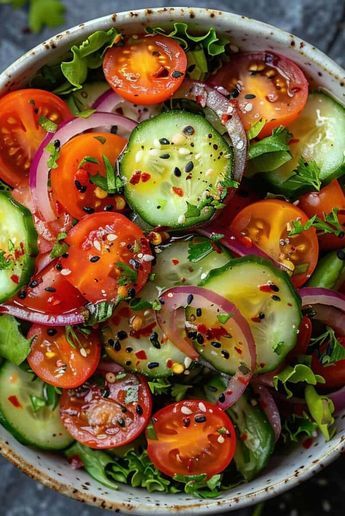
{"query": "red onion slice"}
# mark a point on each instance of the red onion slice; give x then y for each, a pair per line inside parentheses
(269, 406)
(78, 316)
(329, 306)
(39, 170)
(111, 102)
(107, 102)
(188, 296)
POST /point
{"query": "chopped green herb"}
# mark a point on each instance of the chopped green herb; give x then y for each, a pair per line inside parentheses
(329, 348)
(307, 173)
(128, 275)
(255, 128)
(277, 347)
(199, 249)
(330, 225)
(37, 403)
(86, 113)
(47, 124)
(192, 211)
(223, 318)
(88, 159)
(54, 153)
(5, 262)
(60, 247)
(72, 337)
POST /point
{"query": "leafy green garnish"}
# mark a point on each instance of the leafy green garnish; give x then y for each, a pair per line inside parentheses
(72, 337)
(51, 395)
(179, 391)
(60, 247)
(159, 386)
(255, 128)
(111, 183)
(197, 66)
(199, 249)
(192, 211)
(47, 124)
(37, 403)
(54, 153)
(295, 426)
(229, 183)
(88, 159)
(87, 55)
(128, 275)
(137, 304)
(13, 345)
(200, 485)
(99, 312)
(223, 318)
(307, 173)
(277, 347)
(300, 373)
(49, 13)
(330, 225)
(321, 409)
(334, 350)
(271, 152)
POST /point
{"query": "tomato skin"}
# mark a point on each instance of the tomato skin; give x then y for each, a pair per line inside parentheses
(272, 88)
(100, 417)
(147, 70)
(321, 203)
(19, 118)
(266, 224)
(188, 441)
(97, 244)
(334, 374)
(71, 185)
(49, 292)
(50, 348)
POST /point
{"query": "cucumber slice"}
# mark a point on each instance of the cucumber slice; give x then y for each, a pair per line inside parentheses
(42, 429)
(266, 298)
(18, 246)
(319, 135)
(175, 166)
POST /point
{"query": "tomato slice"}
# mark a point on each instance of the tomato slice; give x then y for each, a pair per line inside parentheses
(191, 437)
(107, 251)
(80, 159)
(57, 362)
(321, 203)
(49, 292)
(147, 70)
(267, 86)
(110, 413)
(334, 374)
(21, 132)
(267, 223)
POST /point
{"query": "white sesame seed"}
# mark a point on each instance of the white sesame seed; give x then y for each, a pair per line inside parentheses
(248, 107)
(240, 145)
(139, 156)
(187, 372)
(185, 410)
(184, 151)
(202, 406)
(110, 377)
(187, 362)
(140, 255)
(209, 171)
(148, 258)
(197, 156)
(170, 294)
(111, 237)
(83, 352)
(220, 439)
(181, 219)
(97, 245)
(156, 143)
(101, 436)
(203, 275)
(65, 272)
(178, 139)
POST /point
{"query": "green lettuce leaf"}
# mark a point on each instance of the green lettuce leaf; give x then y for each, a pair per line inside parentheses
(13, 346)
(300, 373)
(296, 426)
(200, 485)
(321, 409)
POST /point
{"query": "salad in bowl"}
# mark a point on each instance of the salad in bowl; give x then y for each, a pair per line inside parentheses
(172, 259)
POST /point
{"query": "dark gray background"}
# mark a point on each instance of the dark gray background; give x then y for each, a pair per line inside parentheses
(321, 22)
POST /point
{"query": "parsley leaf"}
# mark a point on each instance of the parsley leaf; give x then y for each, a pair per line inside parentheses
(98, 312)
(37, 403)
(300, 373)
(179, 391)
(128, 275)
(111, 183)
(72, 337)
(333, 352)
(60, 247)
(13, 345)
(229, 183)
(88, 159)
(47, 124)
(199, 249)
(329, 225)
(255, 128)
(200, 485)
(306, 174)
(54, 153)
(159, 386)
(277, 347)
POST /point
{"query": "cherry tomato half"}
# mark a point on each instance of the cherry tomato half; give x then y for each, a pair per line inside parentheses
(147, 70)
(57, 362)
(334, 374)
(267, 86)
(191, 437)
(267, 223)
(108, 415)
(80, 159)
(321, 203)
(21, 132)
(49, 292)
(107, 251)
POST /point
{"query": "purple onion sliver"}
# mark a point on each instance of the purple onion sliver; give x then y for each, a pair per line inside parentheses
(269, 406)
(78, 316)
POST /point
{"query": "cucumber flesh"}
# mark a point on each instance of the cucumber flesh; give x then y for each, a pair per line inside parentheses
(266, 298)
(18, 246)
(42, 429)
(318, 135)
(174, 168)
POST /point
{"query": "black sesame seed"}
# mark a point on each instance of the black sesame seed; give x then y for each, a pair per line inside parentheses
(209, 135)
(190, 299)
(121, 422)
(128, 363)
(123, 409)
(341, 254)
(200, 419)
(56, 144)
(154, 340)
(177, 172)
(198, 312)
(250, 96)
(189, 166)
(225, 354)
(132, 293)
(129, 349)
(58, 267)
(216, 344)
(50, 289)
(235, 93)
(222, 398)
(22, 294)
(261, 315)
(65, 255)
(33, 284)
(51, 332)
(186, 422)
(108, 207)
(189, 130)
(114, 129)
(165, 156)
(117, 346)
(94, 259)
(122, 334)
(139, 410)
(88, 209)
(200, 339)
(111, 342)
(105, 393)
(191, 68)
(81, 188)
(164, 141)
(192, 334)
(276, 298)
(274, 288)
(152, 365)
(176, 74)
(215, 146)
(135, 264)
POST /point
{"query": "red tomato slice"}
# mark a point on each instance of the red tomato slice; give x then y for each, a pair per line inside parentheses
(267, 86)
(21, 132)
(191, 437)
(80, 159)
(57, 362)
(107, 251)
(334, 374)
(147, 70)
(49, 292)
(321, 203)
(267, 224)
(108, 415)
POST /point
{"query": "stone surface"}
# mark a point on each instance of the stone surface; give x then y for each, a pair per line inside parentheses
(321, 23)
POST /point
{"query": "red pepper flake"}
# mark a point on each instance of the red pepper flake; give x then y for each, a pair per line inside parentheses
(216, 333)
(169, 363)
(15, 278)
(145, 176)
(256, 319)
(178, 191)
(307, 443)
(141, 355)
(243, 380)
(143, 332)
(266, 288)
(294, 140)
(244, 436)
(201, 328)
(135, 179)
(225, 118)
(174, 261)
(239, 350)
(15, 402)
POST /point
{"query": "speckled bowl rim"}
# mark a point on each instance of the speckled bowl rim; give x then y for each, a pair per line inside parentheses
(8, 80)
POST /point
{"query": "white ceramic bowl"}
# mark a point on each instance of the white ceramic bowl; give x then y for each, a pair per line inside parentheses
(283, 472)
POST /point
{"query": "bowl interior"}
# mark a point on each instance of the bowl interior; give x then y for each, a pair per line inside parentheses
(285, 470)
